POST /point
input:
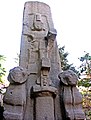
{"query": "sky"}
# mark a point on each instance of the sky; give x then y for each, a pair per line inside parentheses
(72, 20)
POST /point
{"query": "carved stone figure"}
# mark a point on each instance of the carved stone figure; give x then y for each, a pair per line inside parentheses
(71, 99)
(35, 94)
(15, 98)
(38, 22)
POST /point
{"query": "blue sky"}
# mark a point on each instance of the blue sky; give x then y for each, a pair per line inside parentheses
(72, 19)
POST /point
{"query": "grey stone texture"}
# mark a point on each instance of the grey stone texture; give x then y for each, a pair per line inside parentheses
(70, 97)
(46, 110)
(35, 90)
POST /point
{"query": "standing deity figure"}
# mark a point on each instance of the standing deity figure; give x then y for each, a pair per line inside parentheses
(71, 99)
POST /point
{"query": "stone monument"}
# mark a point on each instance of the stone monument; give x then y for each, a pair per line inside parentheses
(35, 90)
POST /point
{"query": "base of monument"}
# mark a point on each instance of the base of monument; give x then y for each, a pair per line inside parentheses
(13, 116)
(44, 108)
(44, 97)
(13, 112)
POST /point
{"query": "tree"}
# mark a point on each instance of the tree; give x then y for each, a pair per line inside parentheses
(85, 70)
(63, 57)
(85, 83)
(2, 69)
(64, 61)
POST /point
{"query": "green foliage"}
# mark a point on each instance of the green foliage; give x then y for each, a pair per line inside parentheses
(85, 70)
(63, 56)
(2, 69)
(86, 63)
(64, 61)
(84, 82)
(86, 95)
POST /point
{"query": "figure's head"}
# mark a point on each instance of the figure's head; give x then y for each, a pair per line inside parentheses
(17, 75)
(68, 77)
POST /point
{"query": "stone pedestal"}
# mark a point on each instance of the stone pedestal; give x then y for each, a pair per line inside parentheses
(44, 108)
(44, 102)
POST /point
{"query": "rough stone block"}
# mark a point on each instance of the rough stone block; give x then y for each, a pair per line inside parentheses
(45, 63)
(44, 108)
(33, 68)
(15, 95)
(13, 112)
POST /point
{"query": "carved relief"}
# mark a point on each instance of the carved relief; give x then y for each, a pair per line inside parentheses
(37, 22)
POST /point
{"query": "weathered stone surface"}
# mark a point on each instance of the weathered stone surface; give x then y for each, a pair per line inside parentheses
(38, 89)
(13, 112)
(15, 95)
(17, 75)
(71, 99)
(44, 108)
(68, 78)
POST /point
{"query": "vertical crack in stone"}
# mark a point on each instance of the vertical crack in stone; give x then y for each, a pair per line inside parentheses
(73, 103)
